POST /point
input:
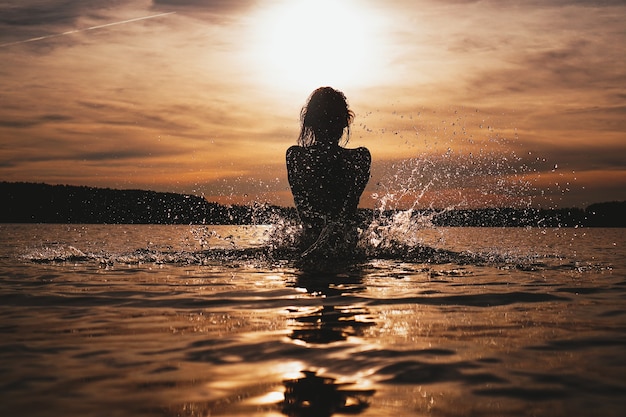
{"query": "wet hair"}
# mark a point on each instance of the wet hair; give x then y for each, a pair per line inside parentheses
(324, 117)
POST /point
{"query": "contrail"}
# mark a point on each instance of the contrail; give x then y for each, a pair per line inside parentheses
(86, 29)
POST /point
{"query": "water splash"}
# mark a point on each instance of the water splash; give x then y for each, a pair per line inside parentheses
(445, 251)
(462, 166)
(56, 252)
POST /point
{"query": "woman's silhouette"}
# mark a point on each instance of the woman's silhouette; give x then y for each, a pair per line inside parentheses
(327, 179)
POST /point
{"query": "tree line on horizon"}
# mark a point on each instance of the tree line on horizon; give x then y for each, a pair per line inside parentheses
(43, 203)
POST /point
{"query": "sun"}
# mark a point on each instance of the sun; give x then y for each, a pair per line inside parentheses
(304, 44)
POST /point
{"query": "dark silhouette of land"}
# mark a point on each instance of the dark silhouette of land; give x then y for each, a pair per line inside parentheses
(43, 203)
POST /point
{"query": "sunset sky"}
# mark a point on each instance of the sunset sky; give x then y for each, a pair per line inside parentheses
(462, 103)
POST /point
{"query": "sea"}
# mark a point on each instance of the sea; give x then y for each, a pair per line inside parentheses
(202, 320)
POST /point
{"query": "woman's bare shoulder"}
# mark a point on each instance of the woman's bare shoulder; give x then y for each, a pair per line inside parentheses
(361, 153)
(295, 150)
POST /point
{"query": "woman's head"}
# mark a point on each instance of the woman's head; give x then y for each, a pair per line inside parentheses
(324, 117)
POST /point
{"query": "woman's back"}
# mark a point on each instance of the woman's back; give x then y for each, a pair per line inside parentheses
(326, 183)
(326, 179)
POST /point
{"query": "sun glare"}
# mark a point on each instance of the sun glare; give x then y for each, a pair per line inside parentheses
(300, 45)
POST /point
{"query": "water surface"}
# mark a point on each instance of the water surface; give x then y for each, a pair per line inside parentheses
(122, 320)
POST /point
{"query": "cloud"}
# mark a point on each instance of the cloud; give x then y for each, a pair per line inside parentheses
(581, 3)
(569, 75)
(539, 3)
(23, 19)
(85, 148)
(581, 157)
(34, 121)
(53, 12)
(215, 11)
(209, 5)
(38, 13)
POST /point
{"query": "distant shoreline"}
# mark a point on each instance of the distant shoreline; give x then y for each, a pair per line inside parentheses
(43, 203)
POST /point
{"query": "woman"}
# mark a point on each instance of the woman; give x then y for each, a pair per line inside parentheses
(327, 179)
